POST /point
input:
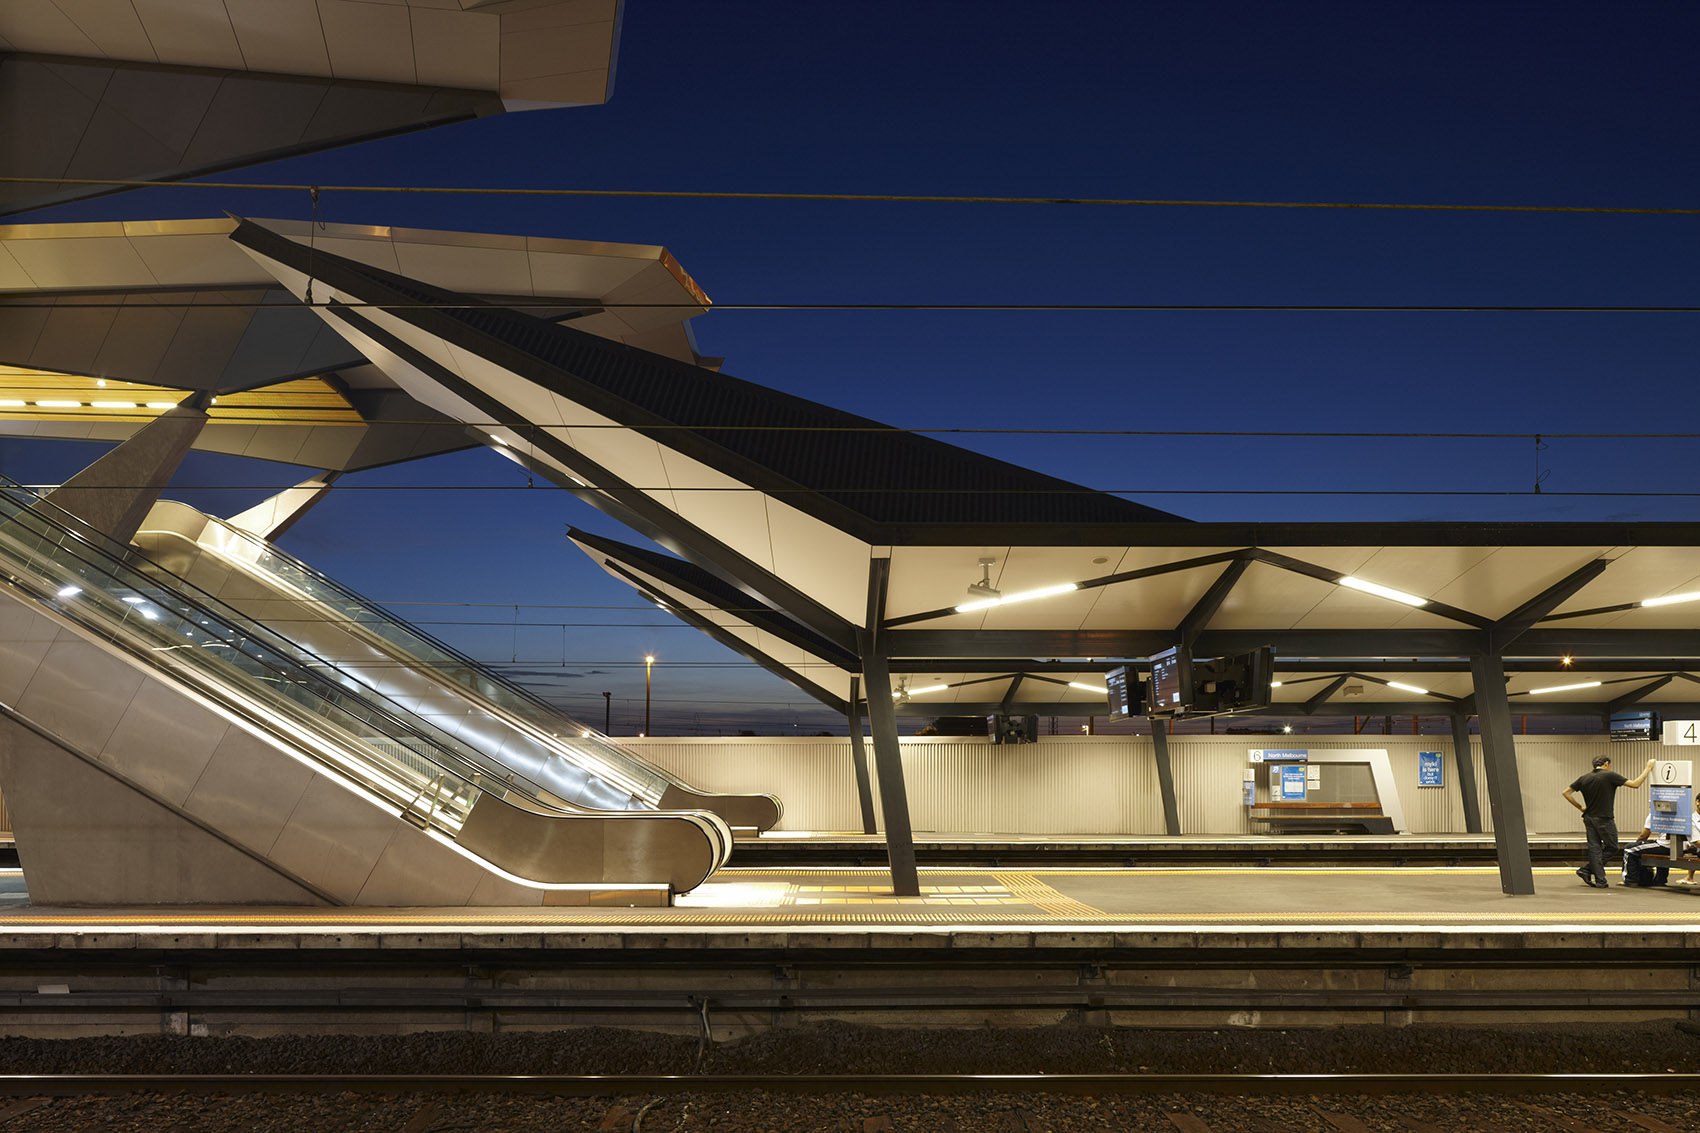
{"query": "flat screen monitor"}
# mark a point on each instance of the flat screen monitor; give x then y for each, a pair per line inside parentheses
(1125, 700)
(1171, 682)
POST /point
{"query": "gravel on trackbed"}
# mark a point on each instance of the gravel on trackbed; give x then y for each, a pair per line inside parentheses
(851, 1049)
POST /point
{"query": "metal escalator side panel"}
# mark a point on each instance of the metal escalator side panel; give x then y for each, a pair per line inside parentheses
(741, 812)
(583, 849)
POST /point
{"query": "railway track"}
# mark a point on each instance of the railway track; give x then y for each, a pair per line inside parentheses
(637, 1085)
(860, 1103)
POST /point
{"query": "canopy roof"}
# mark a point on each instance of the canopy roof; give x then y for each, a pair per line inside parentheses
(791, 505)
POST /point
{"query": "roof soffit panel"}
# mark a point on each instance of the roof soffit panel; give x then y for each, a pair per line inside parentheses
(191, 32)
(563, 273)
(63, 264)
(45, 29)
(167, 106)
(802, 665)
(1499, 583)
(13, 277)
(458, 49)
(820, 560)
(111, 26)
(716, 504)
(497, 270)
(72, 337)
(933, 578)
(200, 260)
(1636, 574)
(1268, 597)
(368, 41)
(1161, 602)
(525, 401)
(280, 35)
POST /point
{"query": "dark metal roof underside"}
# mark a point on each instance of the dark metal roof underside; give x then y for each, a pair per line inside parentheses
(785, 445)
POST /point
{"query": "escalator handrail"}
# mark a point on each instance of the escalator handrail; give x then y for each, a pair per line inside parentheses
(119, 559)
(409, 629)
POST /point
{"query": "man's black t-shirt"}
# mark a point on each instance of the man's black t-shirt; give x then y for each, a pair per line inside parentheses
(1598, 789)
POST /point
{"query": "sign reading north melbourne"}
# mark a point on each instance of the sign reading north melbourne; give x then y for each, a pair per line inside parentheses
(1280, 754)
(1682, 733)
(1430, 771)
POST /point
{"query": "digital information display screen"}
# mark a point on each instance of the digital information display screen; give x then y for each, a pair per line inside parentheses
(1169, 683)
(1122, 705)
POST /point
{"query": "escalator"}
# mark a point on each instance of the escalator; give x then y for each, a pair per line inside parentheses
(456, 693)
(117, 668)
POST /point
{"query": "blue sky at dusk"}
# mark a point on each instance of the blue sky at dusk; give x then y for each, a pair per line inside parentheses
(1433, 103)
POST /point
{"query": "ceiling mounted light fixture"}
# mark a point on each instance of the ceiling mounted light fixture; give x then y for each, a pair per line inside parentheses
(1088, 688)
(1380, 591)
(1021, 596)
(1565, 688)
(1407, 688)
(1672, 599)
(984, 588)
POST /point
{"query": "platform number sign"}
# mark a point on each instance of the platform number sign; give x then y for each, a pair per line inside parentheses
(1682, 733)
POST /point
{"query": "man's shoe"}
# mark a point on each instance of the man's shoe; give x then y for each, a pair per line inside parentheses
(1587, 878)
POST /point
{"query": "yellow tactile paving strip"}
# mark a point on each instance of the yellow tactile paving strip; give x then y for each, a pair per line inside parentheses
(850, 898)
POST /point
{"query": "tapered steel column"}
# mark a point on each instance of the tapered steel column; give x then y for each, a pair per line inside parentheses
(1165, 776)
(888, 759)
(1466, 770)
(1505, 793)
(114, 494)
(859, 759)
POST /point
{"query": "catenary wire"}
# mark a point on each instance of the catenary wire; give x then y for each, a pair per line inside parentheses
(885, 198)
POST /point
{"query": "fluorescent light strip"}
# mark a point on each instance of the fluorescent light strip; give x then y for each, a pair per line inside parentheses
(162, 405)
(1407, 688)
(59, 405)
(1021, 596)
(918, 691)
(1088, 688)
(1565, 688)
(12, 403)
(1274, 684)
(1380, 591)
(113, 404)
(1672, 599)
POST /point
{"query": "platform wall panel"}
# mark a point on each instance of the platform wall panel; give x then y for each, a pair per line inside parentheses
(1108, 784)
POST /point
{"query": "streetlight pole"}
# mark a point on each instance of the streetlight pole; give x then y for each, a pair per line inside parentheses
(648, 664)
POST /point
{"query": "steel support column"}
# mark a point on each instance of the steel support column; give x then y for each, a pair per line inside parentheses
(1466, 771)
(1165, 777)
(859, 758)
(888, 760)
(1505, 795)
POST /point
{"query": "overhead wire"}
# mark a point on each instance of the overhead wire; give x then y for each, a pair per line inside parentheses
(870, 198)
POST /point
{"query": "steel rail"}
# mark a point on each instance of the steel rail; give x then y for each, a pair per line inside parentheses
(1085, 997)
(626, 1085)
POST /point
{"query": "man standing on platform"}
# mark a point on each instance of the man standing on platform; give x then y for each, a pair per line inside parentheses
(1599, 815)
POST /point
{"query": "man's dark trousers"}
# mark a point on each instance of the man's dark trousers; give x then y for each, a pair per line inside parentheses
(1602, 844)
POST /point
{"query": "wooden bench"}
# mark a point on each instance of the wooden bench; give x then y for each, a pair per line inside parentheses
(1322, 818)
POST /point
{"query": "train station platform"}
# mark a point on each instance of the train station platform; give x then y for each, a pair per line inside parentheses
(1036, 901)
(761, 948)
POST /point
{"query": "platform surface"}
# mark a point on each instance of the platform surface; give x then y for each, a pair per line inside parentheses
(1033, 903)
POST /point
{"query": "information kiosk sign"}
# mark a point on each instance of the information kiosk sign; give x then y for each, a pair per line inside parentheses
(1673, 797)
(1430, 770)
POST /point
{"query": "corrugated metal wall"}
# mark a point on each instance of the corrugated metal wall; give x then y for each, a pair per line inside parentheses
(1108, 784)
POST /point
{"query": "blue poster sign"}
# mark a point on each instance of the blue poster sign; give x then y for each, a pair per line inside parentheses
(1430, 771)
(1280, 754)
(1671, 807)
(1249, 794)
(1292, 783)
